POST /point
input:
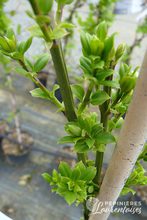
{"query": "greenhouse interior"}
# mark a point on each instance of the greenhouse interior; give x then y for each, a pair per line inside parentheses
(73, 109)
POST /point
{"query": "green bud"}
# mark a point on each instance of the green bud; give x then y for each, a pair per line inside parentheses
(127, 84)
(7, 45)
(120, 51)
(96, 46)
(108, 47)
(73, 130)
(102, 30)
(90, 189)
(4, 45)
(12, 44)
(124, 70)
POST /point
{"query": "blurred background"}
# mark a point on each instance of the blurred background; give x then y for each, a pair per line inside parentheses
(23, 193)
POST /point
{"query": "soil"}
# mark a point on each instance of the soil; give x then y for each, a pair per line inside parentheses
(12, 147)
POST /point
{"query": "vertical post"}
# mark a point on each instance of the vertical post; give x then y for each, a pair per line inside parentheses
(130, 144)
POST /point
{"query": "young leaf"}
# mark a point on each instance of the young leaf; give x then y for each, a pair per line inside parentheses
(105, 138)
(127, 190)
(102, 74)
(112, 84)
(78, 91)
(89, 174)
(65, 169)
(21, 71)
(45, 5)
(85, 41)
(47, 177)
(75, 175)
(66, 139)
(39, 94)
(81, 146)
(58, 33)
(99, 97)
(108, 46)
(41, 62)
(102, 30)
(24, 46)
(90, 142)
(70, 197)
(66, 25)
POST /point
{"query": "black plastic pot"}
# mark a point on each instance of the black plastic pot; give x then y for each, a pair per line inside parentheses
(18, 159)
(21, 157)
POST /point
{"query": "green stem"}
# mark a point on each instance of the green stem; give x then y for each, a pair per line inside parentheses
(104, 121)
(63, 81)
(60, 67)
(61, 71)
(41, 86)
(86, 98)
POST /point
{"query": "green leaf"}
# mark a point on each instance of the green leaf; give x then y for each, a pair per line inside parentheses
(101, 31)
(4, 44)
(65, 169)
(21, 71)
(75, 174)
(24, 46)
(47, 177)
(85, 41)
(66, 139)
(127, 190)
(66, 25)
(16, 55)
(99, 97)
(81, 146)
(85, 64)
(78, 91)
(41, 62)
(58, 33)
(112, 84)
(96, 129)
(105, 138)
(35, 31)
(70, 197)
(108, 46)
(89, 142)
(28, 64)
(73, 129)
(39, 93)
(43, 19)
(96, 46)
(102, 74)
(45, 5)
(89, 174)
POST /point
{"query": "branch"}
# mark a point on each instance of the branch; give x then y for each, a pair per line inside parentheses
(130, 144)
